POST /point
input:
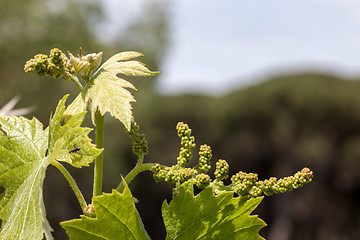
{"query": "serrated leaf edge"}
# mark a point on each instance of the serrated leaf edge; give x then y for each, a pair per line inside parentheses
(227, 197)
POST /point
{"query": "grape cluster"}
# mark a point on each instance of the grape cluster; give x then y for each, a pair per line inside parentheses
(205, 155)
(202, 180)
(179, 173)
(222, 170)
(55, 65)
(243, 184)
(174, 174)
(138, 140)
(248, 183)
(187, 143)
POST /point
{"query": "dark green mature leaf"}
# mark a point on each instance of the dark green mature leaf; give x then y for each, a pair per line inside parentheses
(116, 218)
(207, 216)
(107, 92)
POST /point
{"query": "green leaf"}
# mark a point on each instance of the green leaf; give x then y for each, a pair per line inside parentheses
(23, 163)
(116, 218)
(107, 92)
(209, 216)
(23, 144)
(77, 149)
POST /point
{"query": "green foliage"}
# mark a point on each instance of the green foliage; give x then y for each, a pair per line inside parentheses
(209, 216)
(23, 164)
(73, 136)
(116, 218)
(106, 92)
(26, 150)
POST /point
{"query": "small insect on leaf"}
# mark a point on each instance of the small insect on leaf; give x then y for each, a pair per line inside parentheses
(76, 149)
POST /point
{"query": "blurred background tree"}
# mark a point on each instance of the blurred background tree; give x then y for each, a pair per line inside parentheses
(36, 26)
(273, 128)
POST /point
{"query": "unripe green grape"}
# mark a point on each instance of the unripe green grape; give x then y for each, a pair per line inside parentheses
(55, 65)
(205, 156)
(255, 191)
(202, 180)
(138, 140)
(222, 169)
(186, 174)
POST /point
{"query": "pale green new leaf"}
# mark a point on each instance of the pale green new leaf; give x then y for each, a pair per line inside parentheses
(74, 137)
(116, 218)
(22, 170)
(23, 162)
(107, 92)
(208, 216)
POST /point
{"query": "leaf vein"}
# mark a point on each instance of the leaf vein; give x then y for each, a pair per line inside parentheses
(108, 210)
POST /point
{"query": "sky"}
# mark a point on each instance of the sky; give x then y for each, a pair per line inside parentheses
(221, 45)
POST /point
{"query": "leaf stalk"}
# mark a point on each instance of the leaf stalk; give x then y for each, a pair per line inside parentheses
(72, 183)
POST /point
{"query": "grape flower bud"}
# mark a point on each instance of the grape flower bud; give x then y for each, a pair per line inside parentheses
(84, 65)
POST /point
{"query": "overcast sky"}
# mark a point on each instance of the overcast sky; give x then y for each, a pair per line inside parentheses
(221, 45)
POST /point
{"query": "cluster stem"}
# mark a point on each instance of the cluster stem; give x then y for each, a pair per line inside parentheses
(77, 82)
(139, 167)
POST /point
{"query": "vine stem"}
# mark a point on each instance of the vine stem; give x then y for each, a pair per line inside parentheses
(139, 167)
(76, 81)
(99, 141)
(72, 183)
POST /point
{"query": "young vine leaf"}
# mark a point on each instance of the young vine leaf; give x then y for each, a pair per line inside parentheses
(22, 170)
(107, 92)
(209, 216)
(73, 136)
(23, 163)
(116, 218)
